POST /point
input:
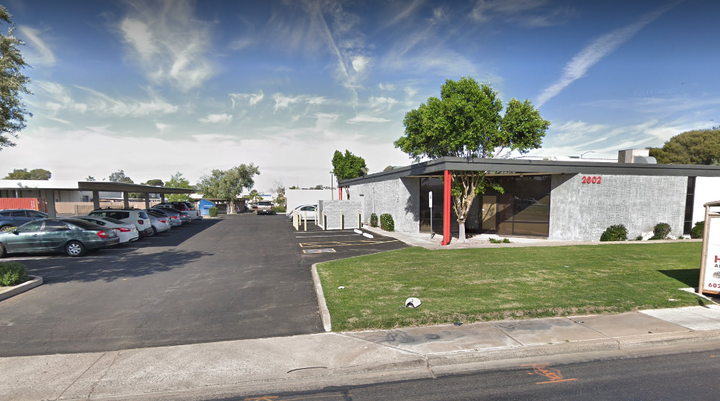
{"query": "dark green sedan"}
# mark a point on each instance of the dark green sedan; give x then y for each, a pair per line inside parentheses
(73, 236)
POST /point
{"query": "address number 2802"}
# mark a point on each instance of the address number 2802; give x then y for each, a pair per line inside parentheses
(591, 179)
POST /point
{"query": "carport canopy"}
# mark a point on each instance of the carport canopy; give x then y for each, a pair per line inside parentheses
(46, 190)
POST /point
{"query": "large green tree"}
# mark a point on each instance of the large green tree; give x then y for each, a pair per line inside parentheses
(178, 181)
(691, 147)
(34, 174)
(12, 84)
(228, 184)
(467, 121)
(348, 166)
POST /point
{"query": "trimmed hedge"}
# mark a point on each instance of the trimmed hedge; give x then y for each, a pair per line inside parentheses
(373, 220)
(661, 231)
(386, 222)
(12, 273)
(213, 211)
(617, 232)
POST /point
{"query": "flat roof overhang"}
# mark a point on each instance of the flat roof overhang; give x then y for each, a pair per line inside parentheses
(124, 187)
(521, 166)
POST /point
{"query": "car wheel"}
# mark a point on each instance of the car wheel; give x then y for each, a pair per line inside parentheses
(74, 248)
(2, 251)
(5, 228)
(153, 232)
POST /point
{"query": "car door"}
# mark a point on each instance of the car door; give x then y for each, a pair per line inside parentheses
(308, 211)
(54, 235)
(26, 238)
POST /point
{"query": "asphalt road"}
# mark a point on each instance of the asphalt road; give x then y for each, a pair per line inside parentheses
(683, 376)
(239, 277)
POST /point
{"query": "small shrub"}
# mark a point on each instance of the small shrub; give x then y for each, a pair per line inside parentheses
(499, 241)
(614, 233)
(373, 220)
(638, 238)
(661, 231)
(12, 273)
(698, 230)
(386, 222)
(213, 211)
(506, 241)
(279, 209)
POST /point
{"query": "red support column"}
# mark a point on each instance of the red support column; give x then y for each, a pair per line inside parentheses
(339, 193)
(446, 208)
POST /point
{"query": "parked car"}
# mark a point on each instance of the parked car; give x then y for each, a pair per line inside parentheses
(172, 218)
(159, 224)
(73, 236)
(16, 217)
(127, 232)
(186, 207)
(264, 207)
(305, 210)
(138, 217)
(183, 216)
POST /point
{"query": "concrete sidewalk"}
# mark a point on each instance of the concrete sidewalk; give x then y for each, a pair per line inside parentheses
(311, 362)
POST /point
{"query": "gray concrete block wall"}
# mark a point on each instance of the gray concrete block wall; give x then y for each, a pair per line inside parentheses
(400, 198)
(337, 210)
(582, 212)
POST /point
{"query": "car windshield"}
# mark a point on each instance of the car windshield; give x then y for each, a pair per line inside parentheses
(84, 224)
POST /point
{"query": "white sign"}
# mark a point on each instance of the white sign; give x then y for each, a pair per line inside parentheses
(711, 273)
(430, 193)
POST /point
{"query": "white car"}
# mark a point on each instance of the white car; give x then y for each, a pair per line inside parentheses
(304, 210)
(125, 231)
(159, 224)
(138, 217)
(171, 219)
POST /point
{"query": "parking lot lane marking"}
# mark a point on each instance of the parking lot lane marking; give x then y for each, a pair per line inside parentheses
(343, 243)
(323, 250)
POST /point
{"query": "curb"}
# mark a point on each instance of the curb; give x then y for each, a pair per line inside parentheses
(324, 312)
(28, 285)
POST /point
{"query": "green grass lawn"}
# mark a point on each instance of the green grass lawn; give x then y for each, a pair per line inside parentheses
(471, 285)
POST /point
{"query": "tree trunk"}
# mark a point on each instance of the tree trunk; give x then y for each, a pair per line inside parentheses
(230, 207)
(461, 235)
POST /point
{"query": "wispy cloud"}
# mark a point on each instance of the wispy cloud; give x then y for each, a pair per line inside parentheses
(528, 13)
(367, 119)
(41, 54)
(596, 51)
(386, 87)
(216, 118)
(406, 11)
(169, 42)
(58, 98)
(284, 102)
(250, 98)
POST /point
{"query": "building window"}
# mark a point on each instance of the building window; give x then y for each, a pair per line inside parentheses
(523, 208)
(689, 201)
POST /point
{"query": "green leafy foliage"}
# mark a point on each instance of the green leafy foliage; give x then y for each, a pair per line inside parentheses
(178, 181)
(12, 273)
(155, 182)
(347, 166)
(228, 184)
(213, 211)
(119, 176)
(614, 233)
(466, 122)
(661, 231)
(386, 222)
(691, 147)
(34, 174)
(13, 84)
(698, 230)
(373, 220)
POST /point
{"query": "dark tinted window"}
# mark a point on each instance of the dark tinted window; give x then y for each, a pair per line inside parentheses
(54, 225)
(84, 224)
(143, 215)
(32, 213)
(17, 213)
(31, 226)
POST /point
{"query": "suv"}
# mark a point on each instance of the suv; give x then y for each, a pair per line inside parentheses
(138, 217)
(16, 217)
(264, 207)
(183, 206)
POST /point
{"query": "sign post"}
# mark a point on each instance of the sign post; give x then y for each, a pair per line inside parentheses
(710, 264)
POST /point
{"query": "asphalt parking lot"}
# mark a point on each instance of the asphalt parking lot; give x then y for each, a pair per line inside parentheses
(239, 277)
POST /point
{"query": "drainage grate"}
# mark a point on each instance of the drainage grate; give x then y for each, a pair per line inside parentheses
(322, 250)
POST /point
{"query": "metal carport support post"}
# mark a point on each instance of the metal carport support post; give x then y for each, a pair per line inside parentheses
(446, 208)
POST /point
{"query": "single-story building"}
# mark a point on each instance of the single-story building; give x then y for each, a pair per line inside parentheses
(554, 199)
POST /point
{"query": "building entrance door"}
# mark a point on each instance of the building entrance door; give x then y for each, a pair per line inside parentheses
(488, 214)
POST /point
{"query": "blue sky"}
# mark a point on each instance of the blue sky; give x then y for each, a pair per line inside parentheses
(157, 87)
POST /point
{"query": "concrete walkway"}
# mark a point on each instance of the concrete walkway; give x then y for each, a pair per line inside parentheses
(310, 362)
